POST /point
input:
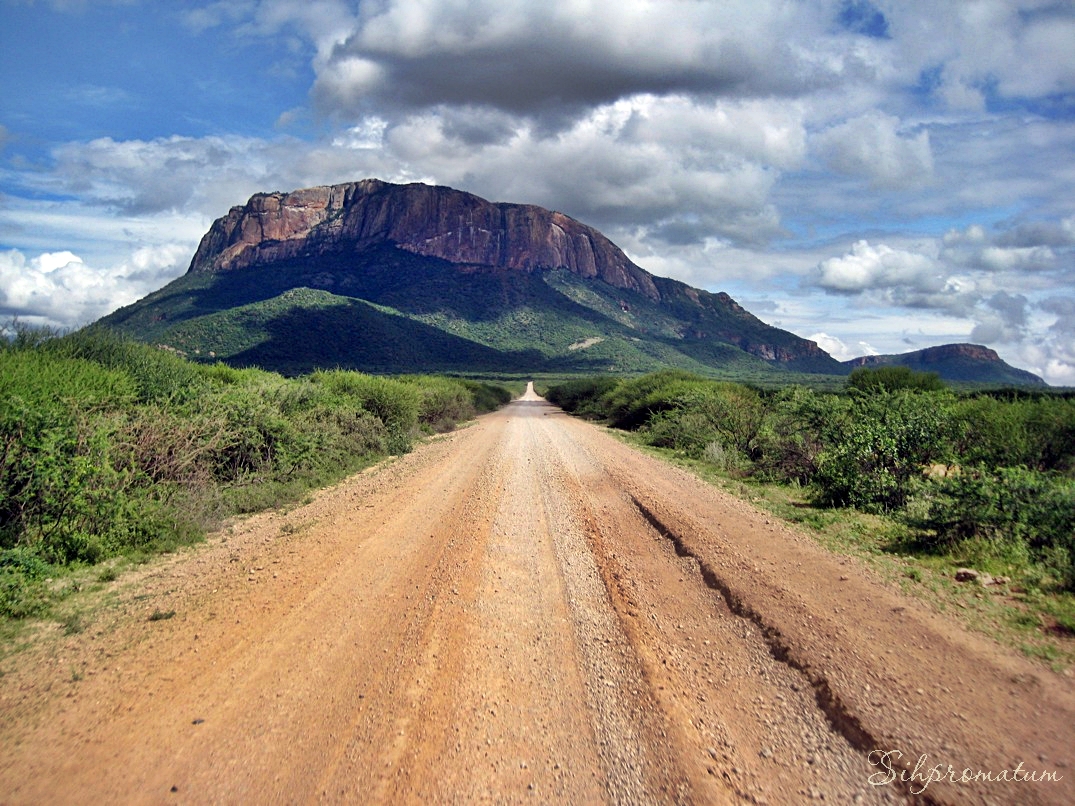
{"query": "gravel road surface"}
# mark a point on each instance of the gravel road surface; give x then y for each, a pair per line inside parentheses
(524, 611)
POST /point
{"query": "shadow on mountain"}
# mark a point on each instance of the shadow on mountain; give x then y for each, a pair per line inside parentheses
(357, 336)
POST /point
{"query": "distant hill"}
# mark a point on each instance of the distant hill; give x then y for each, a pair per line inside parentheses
(416, 278)
(970, 363)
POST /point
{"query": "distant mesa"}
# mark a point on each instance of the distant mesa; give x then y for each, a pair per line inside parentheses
(972, 363)
(382, 277)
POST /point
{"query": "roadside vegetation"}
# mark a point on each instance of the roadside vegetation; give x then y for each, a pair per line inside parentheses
(111, 448)
(895, 466)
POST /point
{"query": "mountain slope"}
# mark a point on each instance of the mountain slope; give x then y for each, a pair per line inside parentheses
(484, 286)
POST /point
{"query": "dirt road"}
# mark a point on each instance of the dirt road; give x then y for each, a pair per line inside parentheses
(526, 610)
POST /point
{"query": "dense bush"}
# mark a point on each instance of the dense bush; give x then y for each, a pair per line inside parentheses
(487, 396)
(892, 379)
(885, 442)
(989, 470)
(799, 424)
(1004, 507)
(583, 396)
(443, 403)
(108, 446)
(696, 417)
(1003, 504)
(631, 403)
(1036, 432)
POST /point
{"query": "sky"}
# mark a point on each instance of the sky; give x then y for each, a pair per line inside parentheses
(879, 176)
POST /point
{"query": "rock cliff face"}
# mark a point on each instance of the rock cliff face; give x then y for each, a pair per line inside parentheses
(432, 221)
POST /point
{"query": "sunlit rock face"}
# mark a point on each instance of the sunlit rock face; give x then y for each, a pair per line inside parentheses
(427, 220)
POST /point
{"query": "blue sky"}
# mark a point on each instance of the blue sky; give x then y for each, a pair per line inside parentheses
(877, 176)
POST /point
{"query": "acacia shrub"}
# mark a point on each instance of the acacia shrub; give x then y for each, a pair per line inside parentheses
(442, 402)
(1010, 506)
(699, 416)
(156, 374)
(893, 378)
(487, 396)
(1034, 432)
(885, 443)
(395, 403)
(586, 397)
(632, 402)
(799, 424)
(58, 488)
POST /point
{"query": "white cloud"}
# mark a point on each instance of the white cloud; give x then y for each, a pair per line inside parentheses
(839, 350)
(999, 258)
(866, 267)
(873, 147)
(60, 290)
(1014, 48)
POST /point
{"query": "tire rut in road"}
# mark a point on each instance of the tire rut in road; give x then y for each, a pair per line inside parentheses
(744, 722)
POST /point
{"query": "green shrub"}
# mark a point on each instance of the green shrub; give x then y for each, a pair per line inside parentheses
(885, 379)
(692, 415)
(586, 397)
(487, 396)
(631, 403)
(798, 424)
(870, 462)
(442, 402)
(1038, 433)
(683, 430)
(394, 403)
(1003, 504)
(156, 373)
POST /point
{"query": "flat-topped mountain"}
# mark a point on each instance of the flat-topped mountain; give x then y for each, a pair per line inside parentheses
(381, 277)
(956, 362)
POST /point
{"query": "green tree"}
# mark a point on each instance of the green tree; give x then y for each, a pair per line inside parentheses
(888, 440)
(872, 380)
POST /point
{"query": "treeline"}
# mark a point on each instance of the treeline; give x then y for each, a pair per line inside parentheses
(992, 474)
(108, 446)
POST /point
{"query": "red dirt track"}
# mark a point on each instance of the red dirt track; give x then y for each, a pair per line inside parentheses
(526, 610)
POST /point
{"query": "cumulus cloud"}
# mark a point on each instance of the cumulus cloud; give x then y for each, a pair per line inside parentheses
(60, 290)
(873, 147)
(1002, 294)
(839, 350)
(684, 170)
(868, 267)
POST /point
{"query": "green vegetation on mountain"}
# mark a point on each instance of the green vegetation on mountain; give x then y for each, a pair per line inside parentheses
(110, 447)
(387, 310)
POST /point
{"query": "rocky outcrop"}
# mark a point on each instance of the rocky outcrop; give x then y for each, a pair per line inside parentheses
(433, 221)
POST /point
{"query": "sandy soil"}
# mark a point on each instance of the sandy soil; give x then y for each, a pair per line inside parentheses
(526, 610)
